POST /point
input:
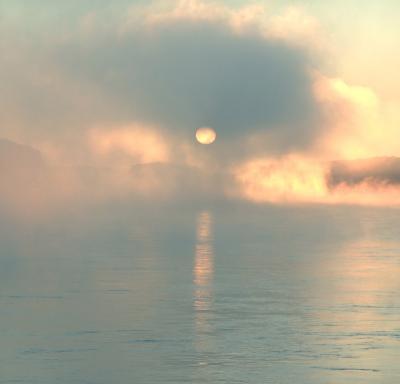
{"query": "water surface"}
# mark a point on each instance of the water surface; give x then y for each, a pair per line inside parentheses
(232, 294)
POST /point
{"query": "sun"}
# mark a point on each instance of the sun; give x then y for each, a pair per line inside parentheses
(205, 135)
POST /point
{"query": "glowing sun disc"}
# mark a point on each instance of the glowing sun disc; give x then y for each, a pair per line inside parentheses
(205, 135)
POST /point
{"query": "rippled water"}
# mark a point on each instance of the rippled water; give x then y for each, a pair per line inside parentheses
(211, 295)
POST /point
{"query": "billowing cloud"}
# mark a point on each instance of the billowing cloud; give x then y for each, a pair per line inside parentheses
(188, 73)
(196, 64)
(301, 179)
(113, 96)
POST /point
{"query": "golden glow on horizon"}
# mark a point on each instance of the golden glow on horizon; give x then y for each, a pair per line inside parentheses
(206, 135)
(296, 179)
(292, 179)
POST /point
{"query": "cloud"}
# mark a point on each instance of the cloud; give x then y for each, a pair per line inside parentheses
(138, 144)
(359, 123)
(291, 178)
(297, 179)
(32, 187)
(243, 71)
(379, 170)
(112, 99)
(191, 70)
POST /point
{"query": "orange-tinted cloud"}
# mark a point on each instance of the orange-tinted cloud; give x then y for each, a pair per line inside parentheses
(299, 179)
(137, 143)
(253, 73)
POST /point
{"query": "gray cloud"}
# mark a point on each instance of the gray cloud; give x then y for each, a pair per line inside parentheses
(177, 74)
(187, 74)
(378, 170)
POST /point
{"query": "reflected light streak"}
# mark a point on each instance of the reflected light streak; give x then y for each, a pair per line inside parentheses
(364, 274)
(355, 305)
(203, 272)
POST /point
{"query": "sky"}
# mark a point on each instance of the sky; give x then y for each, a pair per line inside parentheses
(100, 101)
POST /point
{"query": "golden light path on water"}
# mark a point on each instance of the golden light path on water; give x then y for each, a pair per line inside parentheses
(203, 272)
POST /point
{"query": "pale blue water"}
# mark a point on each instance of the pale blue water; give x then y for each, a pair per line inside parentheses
(233, 294)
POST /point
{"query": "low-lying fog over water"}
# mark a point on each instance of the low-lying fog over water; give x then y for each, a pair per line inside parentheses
(200, 192)
(213, 294)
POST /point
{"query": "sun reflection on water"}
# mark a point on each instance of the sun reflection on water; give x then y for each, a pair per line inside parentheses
(203, 272)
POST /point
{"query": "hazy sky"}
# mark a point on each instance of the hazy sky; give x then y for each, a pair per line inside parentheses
(287, 85)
